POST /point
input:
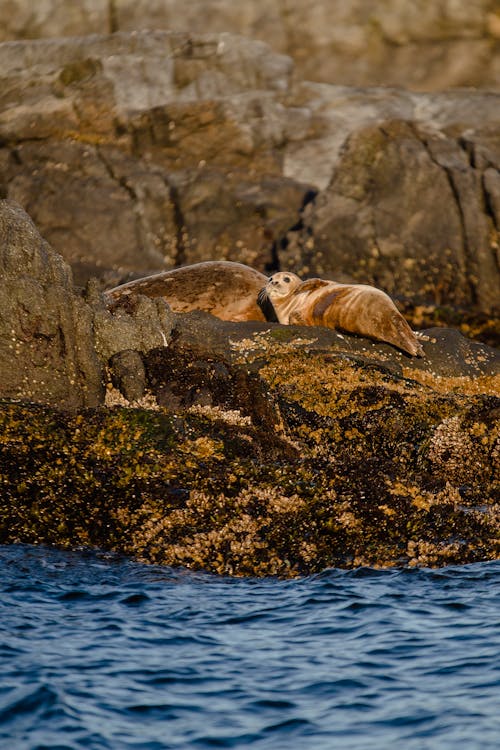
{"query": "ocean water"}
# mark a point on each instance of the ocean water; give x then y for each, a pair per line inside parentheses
(97, 651)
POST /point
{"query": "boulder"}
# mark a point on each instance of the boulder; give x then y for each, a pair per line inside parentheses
(46, 329)
(54, 344)
(269, 450)
(411, 211)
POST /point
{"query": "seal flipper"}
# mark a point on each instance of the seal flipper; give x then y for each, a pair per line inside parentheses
(296, 319)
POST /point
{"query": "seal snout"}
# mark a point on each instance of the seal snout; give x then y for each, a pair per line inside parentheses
(279, 279)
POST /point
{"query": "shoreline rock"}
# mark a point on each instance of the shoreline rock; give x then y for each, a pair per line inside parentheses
(282, 465)
(243, 449)
(237, 448)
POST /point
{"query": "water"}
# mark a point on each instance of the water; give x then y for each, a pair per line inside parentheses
(99, 652)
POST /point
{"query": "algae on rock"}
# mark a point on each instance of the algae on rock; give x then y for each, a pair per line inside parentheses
(364, 467)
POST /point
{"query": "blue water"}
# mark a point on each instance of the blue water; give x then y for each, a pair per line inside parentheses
(99, 652)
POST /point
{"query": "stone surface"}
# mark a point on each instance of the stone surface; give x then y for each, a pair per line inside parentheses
(238, 448)
(136, 153)
(248, 449)
(420, 45)
(54, 344)
(407, 211)
(46, 346)
(270, 454)
(447, 352)
(139, 325)
(128, 374)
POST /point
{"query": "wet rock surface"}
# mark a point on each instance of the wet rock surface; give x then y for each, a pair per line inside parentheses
(260, 449)
(274, 458)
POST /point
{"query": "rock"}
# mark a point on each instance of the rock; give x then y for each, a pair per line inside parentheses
(406, 211)
(135, 172)
(54, 343)
(244, 448)
(136, 153)
(227, 214)
(398, 43)
(139, 324)
(96, 86)
(76, 192)
(249, 448)
(27, 21)
(273, 454)
(46, 346)
(128, 374)
(448, 354)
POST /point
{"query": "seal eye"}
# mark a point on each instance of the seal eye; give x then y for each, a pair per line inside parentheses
(287, 279)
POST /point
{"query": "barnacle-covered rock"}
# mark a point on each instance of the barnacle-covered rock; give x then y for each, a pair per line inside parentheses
(267, 451)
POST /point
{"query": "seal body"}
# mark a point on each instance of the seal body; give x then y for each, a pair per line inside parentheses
(353, 308)
(225, 289)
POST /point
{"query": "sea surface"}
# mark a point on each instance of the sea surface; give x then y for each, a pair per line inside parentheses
(97, 651)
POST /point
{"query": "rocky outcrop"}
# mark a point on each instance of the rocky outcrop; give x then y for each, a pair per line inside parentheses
(248, 448)
(269, 451)
(420, 45)
(46, 346)
(242, 448)
(412, 210)
(139, 152)
(54, 344)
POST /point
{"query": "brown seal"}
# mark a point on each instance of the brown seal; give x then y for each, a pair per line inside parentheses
(353, 308)
(225, 289)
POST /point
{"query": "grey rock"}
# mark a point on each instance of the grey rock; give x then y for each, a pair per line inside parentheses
(406, 211)
(101, 208)
(140, 324)
(447, 352)
(54, 343)
(46, 346)
(124, 126)
(128, 374)
(135, 153)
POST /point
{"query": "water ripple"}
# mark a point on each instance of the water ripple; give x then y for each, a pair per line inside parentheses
(99, 652)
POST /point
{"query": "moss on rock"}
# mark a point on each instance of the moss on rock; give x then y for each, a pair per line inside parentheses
(364, 467)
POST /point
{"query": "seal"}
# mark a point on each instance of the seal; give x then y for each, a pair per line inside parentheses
(223, 288)
(352, 308)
